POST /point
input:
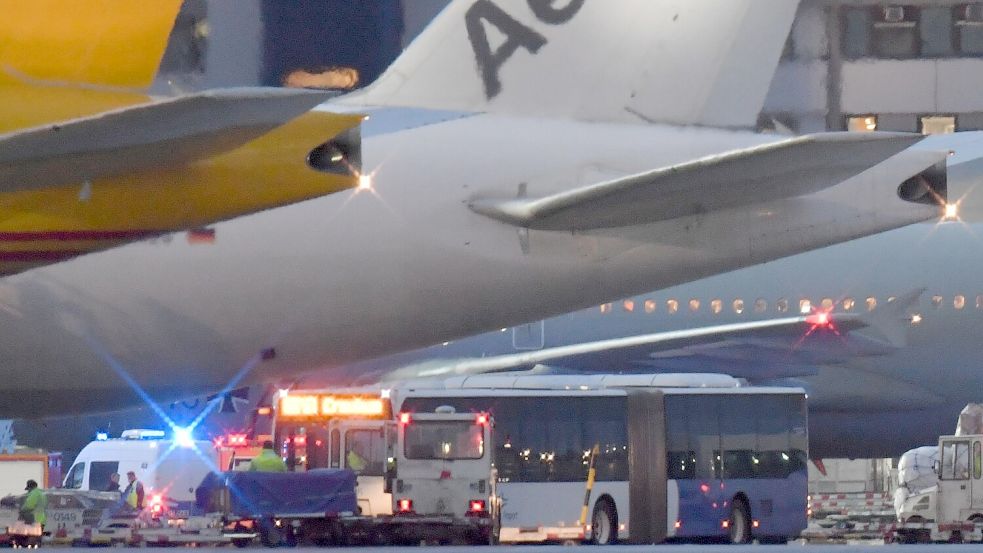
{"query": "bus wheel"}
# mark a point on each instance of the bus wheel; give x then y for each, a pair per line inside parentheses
(604, 524)
(740, 522)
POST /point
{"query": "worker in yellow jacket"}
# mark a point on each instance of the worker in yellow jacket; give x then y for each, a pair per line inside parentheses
(33, 509)
(267, 460)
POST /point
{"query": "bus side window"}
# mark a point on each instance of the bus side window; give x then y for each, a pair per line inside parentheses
(977, 460)
(335, 449)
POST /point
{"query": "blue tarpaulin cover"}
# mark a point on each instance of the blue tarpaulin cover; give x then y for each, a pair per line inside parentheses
(257, 494)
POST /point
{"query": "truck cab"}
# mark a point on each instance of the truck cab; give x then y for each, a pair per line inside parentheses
(960, 491)
(444, 465)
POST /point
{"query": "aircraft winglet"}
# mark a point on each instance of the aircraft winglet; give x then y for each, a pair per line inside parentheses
(108, 43)
(693, 62)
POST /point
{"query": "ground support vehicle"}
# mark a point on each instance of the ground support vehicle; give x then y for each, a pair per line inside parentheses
(441, 476)
(952, 511)
(444, 480)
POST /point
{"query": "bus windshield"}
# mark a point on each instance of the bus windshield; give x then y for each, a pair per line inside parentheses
(444, 440)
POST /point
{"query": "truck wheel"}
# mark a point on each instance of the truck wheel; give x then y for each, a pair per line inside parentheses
(269, 534)
(740, 522)
(604, 524)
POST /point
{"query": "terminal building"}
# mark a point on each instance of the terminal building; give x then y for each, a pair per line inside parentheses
(863, 65)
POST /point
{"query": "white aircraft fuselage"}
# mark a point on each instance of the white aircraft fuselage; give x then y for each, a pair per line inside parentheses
(402, 264)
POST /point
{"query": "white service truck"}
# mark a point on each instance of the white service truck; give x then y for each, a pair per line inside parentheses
(951, 511)
(444, 476)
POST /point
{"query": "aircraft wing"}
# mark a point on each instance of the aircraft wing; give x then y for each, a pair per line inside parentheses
(756, 350)
(158, 135)
(784, 169)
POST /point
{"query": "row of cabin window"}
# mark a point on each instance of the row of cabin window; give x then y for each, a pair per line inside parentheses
(783, 305)
(904, 32)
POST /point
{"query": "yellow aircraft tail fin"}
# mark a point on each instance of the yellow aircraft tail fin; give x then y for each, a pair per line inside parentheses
(102, 43)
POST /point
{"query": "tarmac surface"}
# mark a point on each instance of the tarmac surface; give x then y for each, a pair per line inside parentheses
(679, 548)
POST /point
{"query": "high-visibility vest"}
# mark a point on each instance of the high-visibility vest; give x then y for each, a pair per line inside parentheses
(36, 502)
(267, 461)
(131, 496)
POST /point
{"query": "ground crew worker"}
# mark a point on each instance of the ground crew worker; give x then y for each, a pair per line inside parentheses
(133, 494)
(33, 509)
(267, 460)
(113, 485)
(354, 460)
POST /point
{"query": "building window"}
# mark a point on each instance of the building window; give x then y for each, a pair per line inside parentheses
(760, 305)
(871, 303)
(979, 301)
(628, 305)
(861, 123)
(827, 304)
(650, 306)
(716, 306)
(936, 301)
(937, 124)
(935, 31)
(738, 306)
(969, 28)
(848, 304)
(782, 305)
(959, 302)
(694, 305)
(805, 306)
(895, 32)
(856, 32)
(672, 306)
(605, 308)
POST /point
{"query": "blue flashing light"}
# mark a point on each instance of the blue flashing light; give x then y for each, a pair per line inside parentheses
(102, 436)
(183, 437)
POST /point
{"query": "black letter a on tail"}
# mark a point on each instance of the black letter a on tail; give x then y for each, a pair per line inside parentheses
(516, 35)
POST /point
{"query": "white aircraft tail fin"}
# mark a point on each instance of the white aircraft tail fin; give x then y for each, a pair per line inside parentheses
(688, 62)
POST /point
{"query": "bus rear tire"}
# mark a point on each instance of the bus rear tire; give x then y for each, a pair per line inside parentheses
(739, 529)
(604, 524)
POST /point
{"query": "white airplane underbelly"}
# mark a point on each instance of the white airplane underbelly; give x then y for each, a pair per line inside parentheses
(364, 274)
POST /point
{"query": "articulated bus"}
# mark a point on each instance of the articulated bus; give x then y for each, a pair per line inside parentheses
(680, 457)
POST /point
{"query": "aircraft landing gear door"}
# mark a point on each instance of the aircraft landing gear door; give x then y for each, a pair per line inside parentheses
(955, 482)
(529, 336)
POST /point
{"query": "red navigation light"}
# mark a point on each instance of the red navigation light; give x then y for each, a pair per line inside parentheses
(820, 319)
(476, 506)
(704, 488)
(405, 505)
(482, 419)
(300, 440)
(404, 418)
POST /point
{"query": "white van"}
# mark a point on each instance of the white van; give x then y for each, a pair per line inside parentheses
(167, 468)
